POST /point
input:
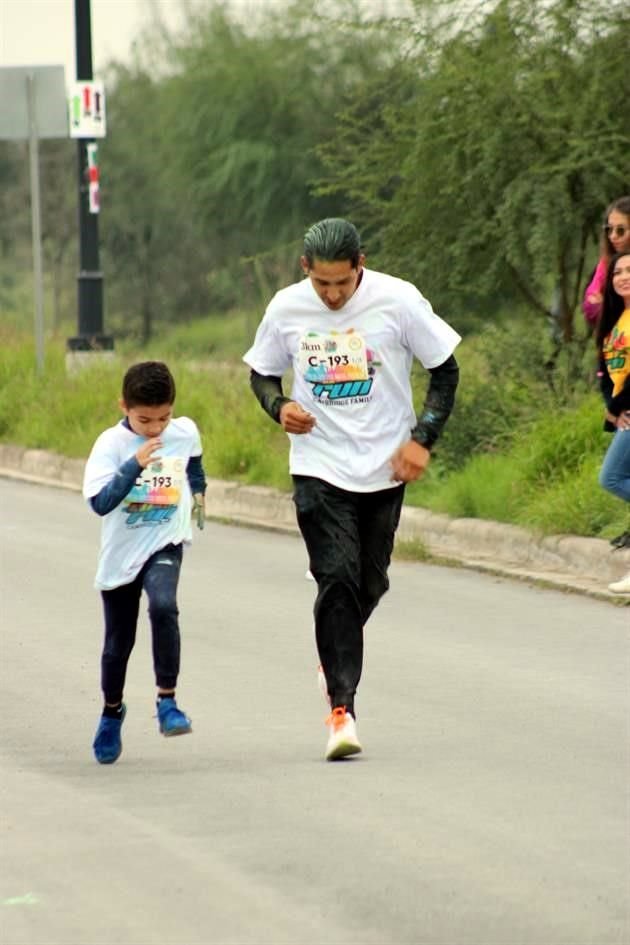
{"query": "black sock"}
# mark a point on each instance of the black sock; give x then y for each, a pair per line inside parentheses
(112, 711)
(166, 695)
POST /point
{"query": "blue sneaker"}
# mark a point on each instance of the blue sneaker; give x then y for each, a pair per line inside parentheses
(107, 742)
(172, 720)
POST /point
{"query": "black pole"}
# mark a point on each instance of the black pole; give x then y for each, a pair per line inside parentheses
(90, 278)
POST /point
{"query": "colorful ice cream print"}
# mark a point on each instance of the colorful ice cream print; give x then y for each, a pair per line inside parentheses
(156, 493)
(338, 364)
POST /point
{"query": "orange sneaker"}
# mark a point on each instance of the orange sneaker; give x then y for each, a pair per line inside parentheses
(342, 740)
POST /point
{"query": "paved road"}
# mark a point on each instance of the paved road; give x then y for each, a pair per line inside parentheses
(490, 806)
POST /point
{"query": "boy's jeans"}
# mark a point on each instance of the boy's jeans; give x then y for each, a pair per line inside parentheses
(615, 472)
(349, 537)
(159, 578)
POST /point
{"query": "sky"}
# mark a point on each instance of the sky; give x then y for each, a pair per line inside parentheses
(41, 32)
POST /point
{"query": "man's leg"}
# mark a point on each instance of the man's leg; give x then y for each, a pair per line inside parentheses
(379, 514)
(328, 520)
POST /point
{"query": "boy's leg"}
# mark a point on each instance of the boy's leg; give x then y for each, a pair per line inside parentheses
(120, 607)
(160, 578)
(328, 521)
(378, 520)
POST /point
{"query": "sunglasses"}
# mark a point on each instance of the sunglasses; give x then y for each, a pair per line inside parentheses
(618, 230)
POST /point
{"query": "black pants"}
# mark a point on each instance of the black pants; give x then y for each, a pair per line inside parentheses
(349, 537)
(159, 577)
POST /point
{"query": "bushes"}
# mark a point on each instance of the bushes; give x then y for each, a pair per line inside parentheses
(511, 451)
(546, 480)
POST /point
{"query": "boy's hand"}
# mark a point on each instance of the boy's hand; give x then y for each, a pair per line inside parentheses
(199, 509)
(294, 419)
(145, 454)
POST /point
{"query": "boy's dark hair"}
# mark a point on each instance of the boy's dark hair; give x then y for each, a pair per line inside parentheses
(331, 240)
(612, 305)
(148, 384)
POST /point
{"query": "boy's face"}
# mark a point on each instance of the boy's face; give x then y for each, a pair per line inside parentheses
(148, 421)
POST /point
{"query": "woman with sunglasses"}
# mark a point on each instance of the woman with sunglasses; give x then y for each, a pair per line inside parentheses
(613, 346)
(615, 238)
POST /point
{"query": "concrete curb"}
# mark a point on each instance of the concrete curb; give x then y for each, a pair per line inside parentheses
(586, 565)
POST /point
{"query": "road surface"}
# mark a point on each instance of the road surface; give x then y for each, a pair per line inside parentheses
(490, 806)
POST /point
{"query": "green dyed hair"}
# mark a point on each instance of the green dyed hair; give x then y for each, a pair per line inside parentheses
(332, 239)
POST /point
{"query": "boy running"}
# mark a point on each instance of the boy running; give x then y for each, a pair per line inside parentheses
(141, 477)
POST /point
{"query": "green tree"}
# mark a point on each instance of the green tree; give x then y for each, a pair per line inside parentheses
(155, 260)
(58, 174)
(208, 165)
(514, 139)
(248, 106)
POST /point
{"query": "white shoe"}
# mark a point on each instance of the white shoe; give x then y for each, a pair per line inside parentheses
(322, 684)
(622, 586)
(342, 740)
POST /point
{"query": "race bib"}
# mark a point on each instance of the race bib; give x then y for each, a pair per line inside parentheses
(160, 483)
(332, 359)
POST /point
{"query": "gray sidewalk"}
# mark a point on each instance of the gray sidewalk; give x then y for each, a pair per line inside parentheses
(585, 565)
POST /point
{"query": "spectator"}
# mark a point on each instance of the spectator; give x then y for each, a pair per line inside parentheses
(613, 345)
(615, 238)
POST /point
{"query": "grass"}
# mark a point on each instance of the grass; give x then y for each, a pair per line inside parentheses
(544, 477)
(65, 413)
(546, 480)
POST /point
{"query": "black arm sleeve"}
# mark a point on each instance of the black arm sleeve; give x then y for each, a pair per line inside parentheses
(438, 403)
(117, 488)
(268, 391)
(196, 475)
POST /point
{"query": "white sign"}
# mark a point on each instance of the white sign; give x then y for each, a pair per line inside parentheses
(87, 110)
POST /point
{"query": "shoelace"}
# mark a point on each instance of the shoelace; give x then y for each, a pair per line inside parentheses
(337, 717)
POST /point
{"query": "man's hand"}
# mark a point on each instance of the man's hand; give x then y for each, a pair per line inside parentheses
(409, 462)
(199, 509)
(294, 419)
(145, 454)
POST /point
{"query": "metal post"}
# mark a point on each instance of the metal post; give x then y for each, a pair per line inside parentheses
(36, 223)
(90, 278)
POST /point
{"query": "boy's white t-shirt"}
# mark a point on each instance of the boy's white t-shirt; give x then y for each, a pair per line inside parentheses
(351, 370)
(157, 510)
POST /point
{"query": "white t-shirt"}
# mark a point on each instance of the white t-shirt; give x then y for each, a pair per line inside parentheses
(156, 512)
(351, 370)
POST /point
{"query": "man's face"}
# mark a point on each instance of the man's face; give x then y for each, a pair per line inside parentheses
(335, 282)
(148, 421)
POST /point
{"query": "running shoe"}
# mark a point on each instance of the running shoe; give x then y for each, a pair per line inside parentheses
(107, 741)
(621, 541)
(622, 586)
(342, 740)
(172, 720)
